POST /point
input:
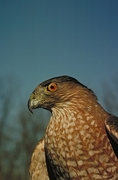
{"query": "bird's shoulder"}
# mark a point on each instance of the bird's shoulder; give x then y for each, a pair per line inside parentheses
(111, 124)
(38, 169)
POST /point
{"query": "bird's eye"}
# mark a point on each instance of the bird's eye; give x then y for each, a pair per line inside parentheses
(52, 87)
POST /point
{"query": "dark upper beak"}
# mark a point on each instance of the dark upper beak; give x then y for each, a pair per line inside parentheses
(29, 106)
(34, 101)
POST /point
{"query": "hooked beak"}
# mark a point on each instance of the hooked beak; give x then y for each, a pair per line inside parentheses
(38, 99)
(30, 106)
(33, 102)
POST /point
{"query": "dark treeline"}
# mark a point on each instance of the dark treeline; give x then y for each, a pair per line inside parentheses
(19, 132)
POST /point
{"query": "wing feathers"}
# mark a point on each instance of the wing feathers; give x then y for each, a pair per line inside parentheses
(111, 124)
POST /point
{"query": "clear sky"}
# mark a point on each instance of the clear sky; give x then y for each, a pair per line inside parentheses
(40, 39)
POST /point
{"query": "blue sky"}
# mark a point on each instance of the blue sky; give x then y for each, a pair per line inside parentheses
(40, 39)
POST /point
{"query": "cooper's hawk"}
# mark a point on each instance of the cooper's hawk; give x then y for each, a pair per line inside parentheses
(81, 139)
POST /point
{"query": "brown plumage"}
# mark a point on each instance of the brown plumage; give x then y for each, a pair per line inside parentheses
(81, 139)
(38, 169)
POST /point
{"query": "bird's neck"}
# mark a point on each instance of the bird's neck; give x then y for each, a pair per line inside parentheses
(69, 117)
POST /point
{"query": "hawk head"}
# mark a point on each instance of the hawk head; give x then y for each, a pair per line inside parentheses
(55, 92)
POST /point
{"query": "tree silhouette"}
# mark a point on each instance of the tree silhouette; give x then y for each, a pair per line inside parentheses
(19, 132)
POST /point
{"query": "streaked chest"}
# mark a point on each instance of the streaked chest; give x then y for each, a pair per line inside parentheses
(78, 146)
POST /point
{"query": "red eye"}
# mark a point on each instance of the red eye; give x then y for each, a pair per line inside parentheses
(52, 87)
